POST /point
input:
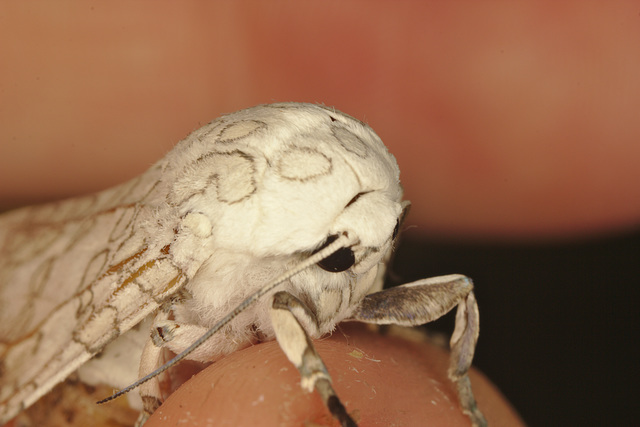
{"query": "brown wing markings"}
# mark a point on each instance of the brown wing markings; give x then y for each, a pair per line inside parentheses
(106, 322)
(127, 245)
(119, 313)
(136, 191)
(152, 188)
(132, 278)
(77, 208)
(58, 211)
(28, 240)
(145, 279)
(83, 229)
(130, 188)
(118, 196)
(94, 267)
(91, 274)
(79, 297)
(122, 264)
(30, 237)
(36, 286)
(174, 284)
(85, 302)
(98, 330)
(29, 224)
(18, 311)
(19, 354)
(23, 348)
(125, 222)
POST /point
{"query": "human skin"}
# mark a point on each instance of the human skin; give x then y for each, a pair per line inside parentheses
(509, 121)
(383, 380)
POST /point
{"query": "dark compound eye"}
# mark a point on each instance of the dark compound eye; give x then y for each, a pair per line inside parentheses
(340, 260)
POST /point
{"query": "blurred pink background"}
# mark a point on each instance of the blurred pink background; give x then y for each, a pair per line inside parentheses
(508, 120)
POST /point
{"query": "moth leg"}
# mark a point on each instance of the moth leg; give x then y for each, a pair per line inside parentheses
(287, 315)
(426, 300)
(150, 360)
(177, 337)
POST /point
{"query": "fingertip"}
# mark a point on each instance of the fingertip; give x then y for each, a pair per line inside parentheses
(381, 380)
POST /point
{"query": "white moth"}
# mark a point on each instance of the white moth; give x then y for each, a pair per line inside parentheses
(291, 208)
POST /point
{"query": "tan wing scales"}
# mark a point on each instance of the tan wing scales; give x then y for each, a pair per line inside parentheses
(54, 317)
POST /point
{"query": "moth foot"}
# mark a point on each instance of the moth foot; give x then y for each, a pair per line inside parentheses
(308, 382)
(142, 418)
(333, 403)
(468, 402)
(163, 332)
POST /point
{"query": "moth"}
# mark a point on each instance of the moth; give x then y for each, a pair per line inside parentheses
(275, 221)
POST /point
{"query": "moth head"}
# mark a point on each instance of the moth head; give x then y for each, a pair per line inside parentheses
(280, 179)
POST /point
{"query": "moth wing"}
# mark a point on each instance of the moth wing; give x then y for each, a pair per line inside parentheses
(74, 276)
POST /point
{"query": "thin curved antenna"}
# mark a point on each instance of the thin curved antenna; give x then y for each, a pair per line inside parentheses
(342, 241)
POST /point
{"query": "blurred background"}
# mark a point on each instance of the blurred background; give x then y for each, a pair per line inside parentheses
(516, 127)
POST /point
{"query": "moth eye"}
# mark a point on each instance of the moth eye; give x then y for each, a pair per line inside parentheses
(340, 260)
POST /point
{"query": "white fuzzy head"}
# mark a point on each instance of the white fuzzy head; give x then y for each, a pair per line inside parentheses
(278, 179)
(259, 190)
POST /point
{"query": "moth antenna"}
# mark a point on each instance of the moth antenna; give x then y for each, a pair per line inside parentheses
(343, 241)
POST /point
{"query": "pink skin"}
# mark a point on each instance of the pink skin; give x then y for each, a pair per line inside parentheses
(380, 379)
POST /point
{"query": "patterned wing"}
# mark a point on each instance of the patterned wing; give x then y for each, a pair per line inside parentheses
(74, 275)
